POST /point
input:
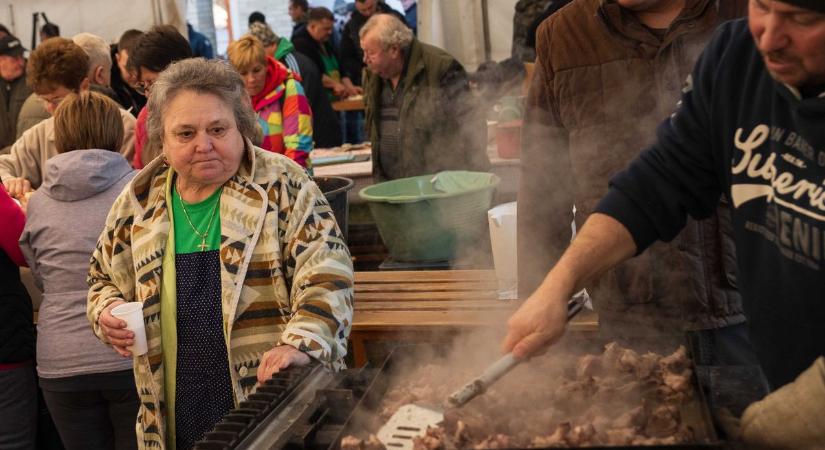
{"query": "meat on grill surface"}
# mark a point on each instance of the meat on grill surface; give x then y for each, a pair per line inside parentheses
(619, 397)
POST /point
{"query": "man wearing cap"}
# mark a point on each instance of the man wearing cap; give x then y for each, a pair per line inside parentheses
(13, 89)
(749, 125)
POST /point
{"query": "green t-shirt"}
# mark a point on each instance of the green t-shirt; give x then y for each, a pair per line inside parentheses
(200, 214)
(330, 69)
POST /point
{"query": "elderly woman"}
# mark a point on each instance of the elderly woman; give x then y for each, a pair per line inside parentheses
(233, 252)
(89, 390)
(278, 98)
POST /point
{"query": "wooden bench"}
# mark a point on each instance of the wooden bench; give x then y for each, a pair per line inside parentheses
(423, 306)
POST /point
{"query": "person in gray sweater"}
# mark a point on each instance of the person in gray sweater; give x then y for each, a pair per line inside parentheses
(88, 389)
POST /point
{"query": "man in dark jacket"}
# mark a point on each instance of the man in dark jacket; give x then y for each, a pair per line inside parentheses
(607, 71)
(749, 126)
(298, 10)
(201, 45)
(313, 41)
(13, 89)
(420, 115)
(122, 79)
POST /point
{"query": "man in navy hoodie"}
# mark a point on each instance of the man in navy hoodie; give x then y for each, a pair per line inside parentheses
(751, 125)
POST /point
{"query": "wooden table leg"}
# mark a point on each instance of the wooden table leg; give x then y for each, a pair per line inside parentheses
(359, 349)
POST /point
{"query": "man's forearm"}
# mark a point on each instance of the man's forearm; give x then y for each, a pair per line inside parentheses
(601, 244)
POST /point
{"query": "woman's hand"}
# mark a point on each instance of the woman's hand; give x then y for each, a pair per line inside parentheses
(339, 90)
(279, 358)
(16, 187)
(115, 330)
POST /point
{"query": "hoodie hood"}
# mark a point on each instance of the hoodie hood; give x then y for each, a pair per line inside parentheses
(285, 47)
(80, 174)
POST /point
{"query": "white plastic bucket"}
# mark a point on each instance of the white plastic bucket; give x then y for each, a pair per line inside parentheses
(502, 220)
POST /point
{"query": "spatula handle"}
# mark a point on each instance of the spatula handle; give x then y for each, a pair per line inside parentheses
(503, 365)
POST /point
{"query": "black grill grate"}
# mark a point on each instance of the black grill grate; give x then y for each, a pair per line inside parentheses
(243, 420)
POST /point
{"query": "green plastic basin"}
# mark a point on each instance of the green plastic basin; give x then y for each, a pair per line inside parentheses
(426, 218)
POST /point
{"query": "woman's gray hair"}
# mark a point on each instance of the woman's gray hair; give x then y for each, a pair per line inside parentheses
(203, 77)
(96, 48)
(391, 32)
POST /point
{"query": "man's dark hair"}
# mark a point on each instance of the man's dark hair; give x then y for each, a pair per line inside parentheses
(50, 30)
(3, 29)
(157, 48)
(303, 4)
(320, 13)
(257, 16)
(128, 40)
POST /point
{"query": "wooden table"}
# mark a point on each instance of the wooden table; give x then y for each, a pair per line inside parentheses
(356, 104)
(421, 306)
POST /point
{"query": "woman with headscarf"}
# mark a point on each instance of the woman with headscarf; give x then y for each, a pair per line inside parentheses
(233, 252)
(283, 110)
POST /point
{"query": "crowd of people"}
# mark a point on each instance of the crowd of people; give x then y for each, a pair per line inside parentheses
(149, 171)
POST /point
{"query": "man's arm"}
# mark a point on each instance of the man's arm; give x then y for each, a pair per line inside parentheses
(20, 169)
(602, 244)
(337, 87)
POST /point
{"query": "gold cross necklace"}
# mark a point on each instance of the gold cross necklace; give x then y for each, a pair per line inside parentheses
(205, 234)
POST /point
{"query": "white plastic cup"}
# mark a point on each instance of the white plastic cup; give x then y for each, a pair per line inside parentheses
(502, 220)
(132, 313)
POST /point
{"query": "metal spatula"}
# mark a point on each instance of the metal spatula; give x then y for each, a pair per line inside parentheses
(411, 420)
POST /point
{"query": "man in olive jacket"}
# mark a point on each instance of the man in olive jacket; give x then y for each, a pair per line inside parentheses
(606, 72)
(420, 116)
(13, 89)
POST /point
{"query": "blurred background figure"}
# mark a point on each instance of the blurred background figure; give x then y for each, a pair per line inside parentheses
(298, 11)
(48, 30)
(34, 110)
(124, 80)
(201, 46)
(100, 62)
(257, 17)
(90, 392)
(152, 53)
(277, 97)
(18, 395)
(530, 41)
(326, 129)
(526, 12)
(13, 88)
(411, 14)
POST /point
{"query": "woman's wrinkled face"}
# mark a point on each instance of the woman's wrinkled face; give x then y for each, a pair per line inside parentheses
(254, 79)
(201, 140)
